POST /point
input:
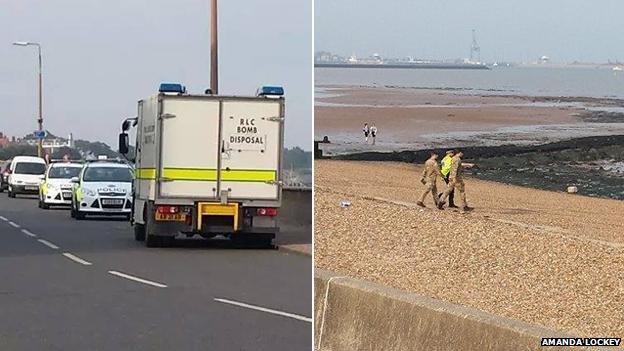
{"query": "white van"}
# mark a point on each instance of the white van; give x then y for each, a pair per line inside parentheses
(25, 176)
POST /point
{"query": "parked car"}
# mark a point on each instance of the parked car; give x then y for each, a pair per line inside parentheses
(5, 170)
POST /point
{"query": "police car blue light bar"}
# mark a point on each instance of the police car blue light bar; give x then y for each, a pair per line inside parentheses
(172, 88)
(270, 91)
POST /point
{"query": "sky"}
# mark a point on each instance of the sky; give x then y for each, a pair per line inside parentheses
(511, 30)
(101, 57)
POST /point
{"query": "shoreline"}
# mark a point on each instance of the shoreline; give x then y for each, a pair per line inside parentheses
(594, 164)
(422, 118)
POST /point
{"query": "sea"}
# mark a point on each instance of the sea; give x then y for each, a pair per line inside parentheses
(597, 82)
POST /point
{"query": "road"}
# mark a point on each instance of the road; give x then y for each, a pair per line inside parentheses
(87, 285)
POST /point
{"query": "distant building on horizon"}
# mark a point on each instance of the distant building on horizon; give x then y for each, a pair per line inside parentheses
(50, 142)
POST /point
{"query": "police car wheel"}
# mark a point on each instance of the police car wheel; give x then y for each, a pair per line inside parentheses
(45, 206)
(79, 215)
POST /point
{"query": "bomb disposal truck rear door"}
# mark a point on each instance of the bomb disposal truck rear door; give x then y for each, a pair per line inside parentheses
(250, 150)
(213, 147)
(189, 147)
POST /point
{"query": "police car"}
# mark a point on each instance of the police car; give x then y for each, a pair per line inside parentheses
(102, 188)
(56, 185)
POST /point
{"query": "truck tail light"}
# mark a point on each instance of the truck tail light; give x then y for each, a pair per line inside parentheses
(267, 211)
(167, 209)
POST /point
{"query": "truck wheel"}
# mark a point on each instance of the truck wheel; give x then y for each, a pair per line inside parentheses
(167, 241)
(151, 240)
(262, 243)
(139, 232)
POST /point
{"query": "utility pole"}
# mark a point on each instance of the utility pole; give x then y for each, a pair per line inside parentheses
(214, 48)
(40, 119)
(475, 50)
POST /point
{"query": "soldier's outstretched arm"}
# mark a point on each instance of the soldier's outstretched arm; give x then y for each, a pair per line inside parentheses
(468, 165)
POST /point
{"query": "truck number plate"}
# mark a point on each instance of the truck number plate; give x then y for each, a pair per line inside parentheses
(30, 187)
(170, 217)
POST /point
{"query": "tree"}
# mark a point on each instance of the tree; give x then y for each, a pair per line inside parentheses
(61, 152)
(13, 150)
(297, 158)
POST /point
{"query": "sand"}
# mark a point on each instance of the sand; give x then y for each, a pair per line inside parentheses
(548, 258)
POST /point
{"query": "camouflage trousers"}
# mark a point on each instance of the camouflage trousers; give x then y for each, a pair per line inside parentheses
(459, 187)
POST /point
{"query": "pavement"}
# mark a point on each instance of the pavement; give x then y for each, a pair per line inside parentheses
(70, 285)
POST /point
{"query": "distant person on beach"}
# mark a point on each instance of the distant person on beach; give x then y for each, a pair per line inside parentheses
(366, 131)
(373, 132)
(430, 175)
(456, 182)
(446, 171)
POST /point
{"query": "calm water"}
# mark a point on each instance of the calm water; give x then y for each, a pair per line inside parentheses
(532, 81)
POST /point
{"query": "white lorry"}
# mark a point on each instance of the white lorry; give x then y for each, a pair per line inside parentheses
(207, 165)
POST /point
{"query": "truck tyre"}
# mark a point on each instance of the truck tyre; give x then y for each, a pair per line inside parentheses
(151, 240)
(167, 241)
(139, 232)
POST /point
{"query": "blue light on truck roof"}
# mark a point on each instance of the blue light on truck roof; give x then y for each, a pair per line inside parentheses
(270, 91)
(172, 88)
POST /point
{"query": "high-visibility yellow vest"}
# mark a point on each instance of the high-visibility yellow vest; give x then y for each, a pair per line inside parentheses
(447, 161)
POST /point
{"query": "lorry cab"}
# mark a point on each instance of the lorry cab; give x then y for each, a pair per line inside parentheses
(207, 165)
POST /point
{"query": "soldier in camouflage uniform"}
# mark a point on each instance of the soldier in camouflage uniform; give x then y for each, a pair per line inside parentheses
(430, 175)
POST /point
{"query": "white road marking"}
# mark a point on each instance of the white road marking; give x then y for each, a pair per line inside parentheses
(137, 279)
(48, 244)
(3, 218)
(13, 224)
(76, 259)
(29, 233)
(268, 310)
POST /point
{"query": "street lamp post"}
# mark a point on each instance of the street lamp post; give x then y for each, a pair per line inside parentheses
(40, 119)
(214, 48)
